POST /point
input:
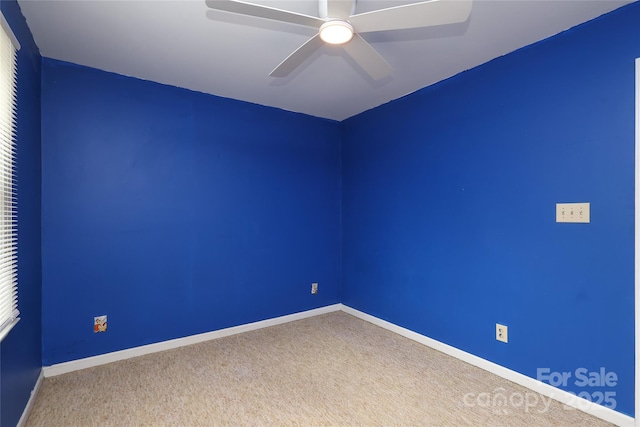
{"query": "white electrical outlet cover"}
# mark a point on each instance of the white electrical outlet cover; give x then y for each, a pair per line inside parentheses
(502, 333)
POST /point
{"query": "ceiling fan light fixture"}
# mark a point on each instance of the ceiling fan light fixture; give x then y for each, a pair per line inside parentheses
(336, 32)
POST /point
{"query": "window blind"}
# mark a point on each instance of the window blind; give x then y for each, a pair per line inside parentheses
(8, 204)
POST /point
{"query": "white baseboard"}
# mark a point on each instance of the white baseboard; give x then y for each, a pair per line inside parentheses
(516, 377)
(32, 400)
(102, 359)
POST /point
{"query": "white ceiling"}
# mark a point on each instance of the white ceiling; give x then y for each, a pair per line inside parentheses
(183, 43)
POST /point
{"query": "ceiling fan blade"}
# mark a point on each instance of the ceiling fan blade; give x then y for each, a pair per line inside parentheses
(300, 55)
(340, 8)
(368, 58)
(423, 14)
(265, 12)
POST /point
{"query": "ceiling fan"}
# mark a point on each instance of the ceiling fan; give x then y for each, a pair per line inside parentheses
(337, 25)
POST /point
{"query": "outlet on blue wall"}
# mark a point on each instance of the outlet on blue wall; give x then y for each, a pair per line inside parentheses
(449, 207)
(176, 213)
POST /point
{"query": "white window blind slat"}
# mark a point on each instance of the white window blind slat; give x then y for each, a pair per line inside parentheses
(8, 204)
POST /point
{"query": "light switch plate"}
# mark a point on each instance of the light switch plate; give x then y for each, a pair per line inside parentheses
(573, 212)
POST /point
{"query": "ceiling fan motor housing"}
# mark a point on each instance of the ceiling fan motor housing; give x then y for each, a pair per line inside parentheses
(323, 9)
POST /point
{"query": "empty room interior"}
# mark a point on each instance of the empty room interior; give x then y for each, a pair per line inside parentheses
(423, 225)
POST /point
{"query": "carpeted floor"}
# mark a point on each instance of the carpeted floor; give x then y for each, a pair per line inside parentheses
(329, 370)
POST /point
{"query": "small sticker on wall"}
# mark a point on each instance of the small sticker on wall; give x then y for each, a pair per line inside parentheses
(100, 324)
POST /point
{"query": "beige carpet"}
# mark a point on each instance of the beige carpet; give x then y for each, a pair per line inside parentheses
(329, 370)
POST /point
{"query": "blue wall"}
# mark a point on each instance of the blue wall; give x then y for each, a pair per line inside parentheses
(21, 349)
(449, 206)
(176, 213)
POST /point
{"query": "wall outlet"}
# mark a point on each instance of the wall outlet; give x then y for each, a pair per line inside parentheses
(314, 288)
(100, 324)
(502, 333)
